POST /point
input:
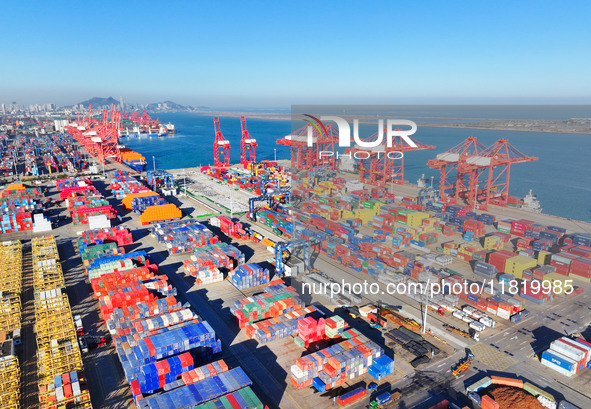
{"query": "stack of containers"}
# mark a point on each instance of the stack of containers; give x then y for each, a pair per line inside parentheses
(334, 326)
(381, 367)
(202, 391)
(140, 204)
(118, 235)
(16, 221)
(160, 213)
(516, 265)
(67, 388)
(310, 330)
(485, 269)
(153, 376)
(183, 236)
(217, 256)
(281, 326)
(240, 399)
(279, 222)
(272, 303)
(61, 184)
(10, 381)
(157, 340)
(203, 372)
(518, 227)
(567, 356)
(124, 184)
(499, 259)
(332, 366)
(128, 200)
(250, 275)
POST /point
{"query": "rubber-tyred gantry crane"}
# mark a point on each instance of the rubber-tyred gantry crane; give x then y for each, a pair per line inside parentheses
(247, 145)
(221, 146)
(476, 174)
(381, 165)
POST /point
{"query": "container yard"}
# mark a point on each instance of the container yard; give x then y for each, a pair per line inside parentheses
(220, 309)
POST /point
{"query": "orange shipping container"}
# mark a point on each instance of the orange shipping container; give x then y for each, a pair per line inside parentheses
(159, 213)
(499, 380)
(129, 198)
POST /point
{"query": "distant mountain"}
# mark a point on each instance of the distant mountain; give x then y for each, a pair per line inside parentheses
(168, 106)
(99, 102)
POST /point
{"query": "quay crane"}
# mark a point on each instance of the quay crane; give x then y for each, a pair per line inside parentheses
(221, 146)
(247, 145)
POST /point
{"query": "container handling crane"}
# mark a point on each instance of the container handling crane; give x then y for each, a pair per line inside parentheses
(270, 196)
(221, 146)
(247, 145)
(290, 247)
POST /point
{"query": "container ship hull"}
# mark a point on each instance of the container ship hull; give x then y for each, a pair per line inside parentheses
(133, 159)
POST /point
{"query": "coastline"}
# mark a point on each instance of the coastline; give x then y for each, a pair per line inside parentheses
(488, 124)
(505, 128)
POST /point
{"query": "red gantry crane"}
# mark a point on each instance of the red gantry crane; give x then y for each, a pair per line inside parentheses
(99, 138)
(381, 165)
(221, 146)
(455, 178)
(476, 174)
(247, 145)
(322, 152)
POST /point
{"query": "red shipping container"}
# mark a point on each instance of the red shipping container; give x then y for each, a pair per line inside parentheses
(488, 403)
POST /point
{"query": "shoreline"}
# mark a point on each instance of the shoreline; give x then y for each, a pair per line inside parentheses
(534, 125)
(504, 128)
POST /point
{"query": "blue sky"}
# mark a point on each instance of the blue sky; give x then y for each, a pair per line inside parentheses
(273, 54)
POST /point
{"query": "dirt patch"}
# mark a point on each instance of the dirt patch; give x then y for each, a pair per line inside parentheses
(512, 398)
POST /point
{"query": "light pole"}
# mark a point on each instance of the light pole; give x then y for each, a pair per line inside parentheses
(154, 162)
(275, 150)
(185, 181)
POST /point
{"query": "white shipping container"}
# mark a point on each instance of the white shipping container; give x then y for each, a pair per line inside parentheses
(489, 322)
(580, 345)
(557, 368)
(504, 314)
(478, 326)
(573, 353)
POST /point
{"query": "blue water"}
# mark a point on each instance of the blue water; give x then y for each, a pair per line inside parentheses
(560, 178)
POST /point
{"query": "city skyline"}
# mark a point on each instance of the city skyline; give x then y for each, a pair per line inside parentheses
(223, 56)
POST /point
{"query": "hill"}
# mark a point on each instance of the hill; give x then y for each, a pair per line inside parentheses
(168, 106)
(99, 102)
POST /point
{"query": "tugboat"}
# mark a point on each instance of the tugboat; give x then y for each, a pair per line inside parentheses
(530, 203)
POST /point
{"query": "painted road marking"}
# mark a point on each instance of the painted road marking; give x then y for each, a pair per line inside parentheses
(491, 357)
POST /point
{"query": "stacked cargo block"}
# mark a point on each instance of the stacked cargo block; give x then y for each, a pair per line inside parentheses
(567, 356)
(124, 184)
(335, 365)
(282, 326)
(158, 340)
(183, 236)
(250, 275)
(276, 300)
(58, 352)
(205, 263)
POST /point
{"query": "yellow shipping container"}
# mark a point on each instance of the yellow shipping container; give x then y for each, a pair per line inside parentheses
(544, 257)
(416, 219)
(348, 214)
(516, 265)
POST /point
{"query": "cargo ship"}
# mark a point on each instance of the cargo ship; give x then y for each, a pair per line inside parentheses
(133, 159)
(139, 131)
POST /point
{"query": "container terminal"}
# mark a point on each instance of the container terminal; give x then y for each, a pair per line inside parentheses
(191, 288)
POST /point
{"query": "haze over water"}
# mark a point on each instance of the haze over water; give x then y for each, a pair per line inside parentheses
(560, 178)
